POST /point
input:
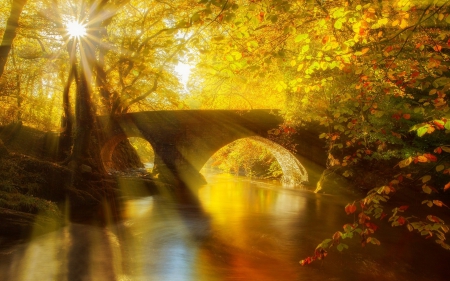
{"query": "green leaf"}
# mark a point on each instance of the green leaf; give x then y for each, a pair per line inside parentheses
(341, 247)
(301, 37)
(447, 19)
(422, 131)
(338, 24)
(305, 49)
(237, 55)
(339, 13)
(441, 81)
(324, 243)
(447, 125)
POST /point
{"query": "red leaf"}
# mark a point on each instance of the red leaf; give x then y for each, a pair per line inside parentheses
(439, 125)
(401, 220)
(433, 219)
(350, 209)
(363, 217)
(438, 150)
(430, 157)
(407, 116)
(336, 236)
(403, 208)
(372, 226)
(383, 214)
(396, 116)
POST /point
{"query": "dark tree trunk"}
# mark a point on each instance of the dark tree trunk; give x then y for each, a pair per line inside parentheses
(67, 120)
(10, 32)
(84, 120)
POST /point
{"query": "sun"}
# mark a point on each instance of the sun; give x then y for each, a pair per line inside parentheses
(76, 29)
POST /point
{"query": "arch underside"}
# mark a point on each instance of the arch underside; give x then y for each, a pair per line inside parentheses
(293, 171)
(110, 160)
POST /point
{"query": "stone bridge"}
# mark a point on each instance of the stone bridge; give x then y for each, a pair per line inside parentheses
(184, 140)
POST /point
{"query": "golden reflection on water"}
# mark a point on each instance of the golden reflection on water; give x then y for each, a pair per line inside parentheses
(230, 229)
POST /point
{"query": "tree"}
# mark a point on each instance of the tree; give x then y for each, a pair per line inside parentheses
(371, 72)
(10, 32)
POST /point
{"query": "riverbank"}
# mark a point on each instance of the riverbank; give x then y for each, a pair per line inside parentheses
(41, 195)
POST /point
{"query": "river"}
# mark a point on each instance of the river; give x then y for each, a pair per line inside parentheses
(232, 228)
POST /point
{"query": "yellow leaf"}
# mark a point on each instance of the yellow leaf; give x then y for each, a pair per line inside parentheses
(426, 178)
(445, 148)
(395, 22)
(410, 227)
(426, 189)
(405, 163)
(404, 23)
(383, 21)
(440, 168)
(365, 50)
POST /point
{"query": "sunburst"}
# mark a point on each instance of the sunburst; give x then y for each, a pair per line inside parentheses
(76, 29)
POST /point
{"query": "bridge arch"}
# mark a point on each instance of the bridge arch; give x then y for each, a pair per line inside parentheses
(110, 155)
(184, 140)
(293, 171)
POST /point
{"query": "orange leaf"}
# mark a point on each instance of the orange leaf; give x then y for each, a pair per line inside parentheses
(438, 203)
(433, 219)
(437, 48)
(422, 159)
(407, 116)
(447, 186)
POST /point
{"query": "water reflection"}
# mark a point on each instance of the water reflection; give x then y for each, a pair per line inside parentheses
(230, 229)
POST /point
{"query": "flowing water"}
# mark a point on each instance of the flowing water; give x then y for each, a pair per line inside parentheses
(230, 229)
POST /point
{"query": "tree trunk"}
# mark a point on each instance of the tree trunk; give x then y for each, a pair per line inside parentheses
(67, 120)
(10, 32)
(84, 121)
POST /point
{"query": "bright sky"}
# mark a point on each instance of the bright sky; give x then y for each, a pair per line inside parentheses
(184, 70)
